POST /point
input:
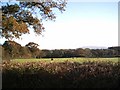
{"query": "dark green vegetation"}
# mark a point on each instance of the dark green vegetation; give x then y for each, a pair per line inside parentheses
(65, 74)
(13, 50)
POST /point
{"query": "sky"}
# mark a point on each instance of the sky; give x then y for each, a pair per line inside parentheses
(83, 24)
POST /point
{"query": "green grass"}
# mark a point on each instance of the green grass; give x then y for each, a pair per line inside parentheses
(80, 60)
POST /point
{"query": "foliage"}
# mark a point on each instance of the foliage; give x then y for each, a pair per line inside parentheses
(61, 75)
(12, 49)
(18, 18)
(25, 52)
(33, 47)
(91, 53)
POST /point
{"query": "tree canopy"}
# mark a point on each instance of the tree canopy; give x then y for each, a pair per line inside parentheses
(17, 19)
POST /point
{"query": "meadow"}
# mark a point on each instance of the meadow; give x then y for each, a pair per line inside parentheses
(61, 73)
(79, 60)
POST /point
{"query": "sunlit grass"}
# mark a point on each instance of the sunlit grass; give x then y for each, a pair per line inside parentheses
(80, 60)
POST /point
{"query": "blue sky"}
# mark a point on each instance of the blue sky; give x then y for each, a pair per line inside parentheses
(82, 24)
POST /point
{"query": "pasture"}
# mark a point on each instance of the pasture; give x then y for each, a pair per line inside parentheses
(79, 60)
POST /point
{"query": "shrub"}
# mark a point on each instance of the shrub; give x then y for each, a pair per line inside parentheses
(61, 75)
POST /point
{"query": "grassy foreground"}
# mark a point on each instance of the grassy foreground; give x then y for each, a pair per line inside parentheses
(61, 73)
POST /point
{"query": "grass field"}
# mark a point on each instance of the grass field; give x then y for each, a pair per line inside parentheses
(80, 60)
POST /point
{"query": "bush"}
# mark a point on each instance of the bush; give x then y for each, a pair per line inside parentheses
(61, 75)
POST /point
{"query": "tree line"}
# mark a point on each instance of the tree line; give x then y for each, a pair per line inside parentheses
(12, 50)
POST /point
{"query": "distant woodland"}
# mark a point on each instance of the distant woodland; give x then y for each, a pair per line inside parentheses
(12, 50)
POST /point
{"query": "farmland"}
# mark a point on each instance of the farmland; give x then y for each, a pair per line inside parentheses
(61, 73)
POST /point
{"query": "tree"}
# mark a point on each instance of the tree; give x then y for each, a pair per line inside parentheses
(33, 47)
(115, 50)
(46, 53)
(18, 18)
(25, 53)
(80, 52)
(88, 52)
(56, 53)
(11, 49)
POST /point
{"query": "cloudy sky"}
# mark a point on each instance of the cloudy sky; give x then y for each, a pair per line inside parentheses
(82, 24)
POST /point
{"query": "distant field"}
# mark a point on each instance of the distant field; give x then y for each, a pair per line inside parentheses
(80, 60)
